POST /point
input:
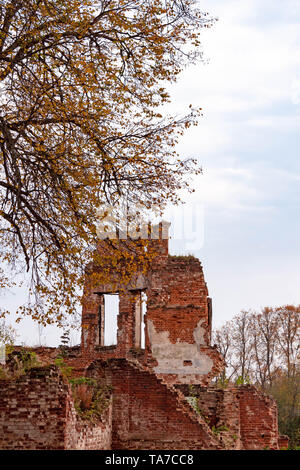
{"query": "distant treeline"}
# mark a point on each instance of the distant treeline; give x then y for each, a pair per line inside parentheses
(263, 348)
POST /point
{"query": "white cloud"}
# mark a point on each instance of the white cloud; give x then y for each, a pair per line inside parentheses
(227, 189)
(250, 84)
(251, 66)
(282, 123)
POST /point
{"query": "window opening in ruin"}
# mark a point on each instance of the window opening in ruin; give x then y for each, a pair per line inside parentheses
(139, 312)
(111, 312)
(101, 322)
(144, 311)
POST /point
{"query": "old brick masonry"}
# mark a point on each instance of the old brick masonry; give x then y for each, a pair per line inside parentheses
(161, 391)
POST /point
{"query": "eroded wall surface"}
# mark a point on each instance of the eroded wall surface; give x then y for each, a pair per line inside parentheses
(178, 322)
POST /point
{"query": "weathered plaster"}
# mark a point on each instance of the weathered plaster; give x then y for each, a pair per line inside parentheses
(171, 356)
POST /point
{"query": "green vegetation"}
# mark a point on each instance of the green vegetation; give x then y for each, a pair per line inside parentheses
(64, 368)
(90, 398)
(222, 382)
(242, 380)
(286, 392)
(217, 430)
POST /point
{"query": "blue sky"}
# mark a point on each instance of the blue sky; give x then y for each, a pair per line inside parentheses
(248, 198)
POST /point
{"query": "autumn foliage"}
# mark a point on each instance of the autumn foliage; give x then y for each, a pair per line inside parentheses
(83, 84)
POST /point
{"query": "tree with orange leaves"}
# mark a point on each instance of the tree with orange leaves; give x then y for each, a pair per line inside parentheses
(82, 83)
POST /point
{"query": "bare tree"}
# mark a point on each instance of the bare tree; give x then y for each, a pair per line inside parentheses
(234, 342)
(261, 344)
(264, 346)
(288, 337)
(263, 331)
(222, 338)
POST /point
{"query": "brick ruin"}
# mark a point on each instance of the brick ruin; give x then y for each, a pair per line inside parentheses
(159, 374)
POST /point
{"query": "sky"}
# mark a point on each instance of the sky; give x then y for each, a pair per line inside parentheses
(242, 221)
(248, 144)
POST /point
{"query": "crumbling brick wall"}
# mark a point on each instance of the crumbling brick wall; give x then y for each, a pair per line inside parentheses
(220, 409)
(33, 411)
(154, 387)
(82, 434)
(258, 419)
(177, 322)
(148, 414)
(246, 417)
(37, 412)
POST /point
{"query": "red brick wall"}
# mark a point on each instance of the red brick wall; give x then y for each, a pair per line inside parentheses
(247, 417)
(220, 408)
(149, 415)
(178, 319)
(283, 442)
(32, 411)
(258, 419)
(177, 298)
(37, 412)
(178, 324)
(81, 434)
